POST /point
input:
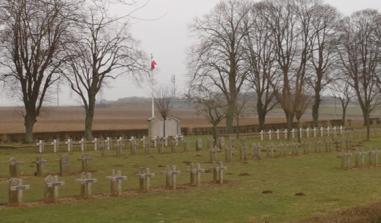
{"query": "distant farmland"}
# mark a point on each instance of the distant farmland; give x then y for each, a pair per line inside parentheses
(133, 116)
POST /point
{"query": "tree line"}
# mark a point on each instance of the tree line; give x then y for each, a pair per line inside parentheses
(290, 53)
(76, 41)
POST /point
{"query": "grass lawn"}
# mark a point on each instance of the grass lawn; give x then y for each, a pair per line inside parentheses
(326, 187)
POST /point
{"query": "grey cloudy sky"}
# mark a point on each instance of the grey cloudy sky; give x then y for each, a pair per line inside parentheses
(168, 38)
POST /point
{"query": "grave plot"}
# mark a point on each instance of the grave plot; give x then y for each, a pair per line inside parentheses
(237, 176)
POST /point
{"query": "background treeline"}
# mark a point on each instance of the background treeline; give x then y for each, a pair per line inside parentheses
(290, 53)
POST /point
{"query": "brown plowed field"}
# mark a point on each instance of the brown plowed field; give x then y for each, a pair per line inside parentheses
(115, 117)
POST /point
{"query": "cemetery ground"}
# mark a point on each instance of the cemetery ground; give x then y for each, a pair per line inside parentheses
(282, 189)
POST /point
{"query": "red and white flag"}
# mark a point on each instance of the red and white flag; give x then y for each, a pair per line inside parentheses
(153, 64)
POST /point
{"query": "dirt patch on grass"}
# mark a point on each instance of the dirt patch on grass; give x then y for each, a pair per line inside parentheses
(300, 194)
(363, 214)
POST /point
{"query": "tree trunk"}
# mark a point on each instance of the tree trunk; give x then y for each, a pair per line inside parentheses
(344, 115)
(261, 120)
(315, 109)
(214, 133)
(261, 113)
(29, 121)
(89, 119)
(230, 117)
(237, 127)
(89, 124)
(367, 124)
(298, 131)
(164, 133)
(290, 124)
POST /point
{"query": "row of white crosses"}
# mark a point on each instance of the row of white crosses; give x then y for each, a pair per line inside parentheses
(328, 131)
(86, 180)
(82, 143)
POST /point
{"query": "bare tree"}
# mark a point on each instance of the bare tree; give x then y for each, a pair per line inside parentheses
(241, 107)
(290, 25)
(360, 56)
(342, 91)
(164, 103)
(323, 55)
(218, 57)
(103, 51)
(209, 103)
(34, 35)
(260, 56)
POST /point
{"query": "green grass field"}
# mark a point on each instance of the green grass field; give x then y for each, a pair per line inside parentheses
(327, 189)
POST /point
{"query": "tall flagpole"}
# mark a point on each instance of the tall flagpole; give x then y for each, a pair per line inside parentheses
(153, 99)
(152, 91)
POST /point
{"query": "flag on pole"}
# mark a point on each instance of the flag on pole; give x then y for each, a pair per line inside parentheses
(153, 64)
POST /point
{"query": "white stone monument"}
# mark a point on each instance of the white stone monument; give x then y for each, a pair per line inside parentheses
(157, 127)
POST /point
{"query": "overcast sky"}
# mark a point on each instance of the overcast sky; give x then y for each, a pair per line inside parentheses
(162, 29)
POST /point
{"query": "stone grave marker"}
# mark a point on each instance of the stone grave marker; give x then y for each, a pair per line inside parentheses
(262, 134)
(55, 144)
(85, 158)
(69, 144)
(102, 146)
(172, 144)
(185, 145)
(40, 164)
(213, 154)
(171, 177)
(145, 176)
(243, 152)
(64, 164)
(196, 172)
(14, 167)
(145, 145)
(108, 143)
(257, 152)
(86, 182)
(41, 145)
(360, 159)
(199, 144)
(82, 144)
(52, 185)
(373, 158)
(161, 146)
(133, 145)
(220, 170)
(95, 142)
(228, 154)
(116, 182)
(16, 191)
(220, 143)
(119, 146)
(293, 133)
(155, 141)
(346, 160)
(165, 141)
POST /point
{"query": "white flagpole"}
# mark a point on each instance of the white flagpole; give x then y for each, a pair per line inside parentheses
(152, 89)
(153, 99)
